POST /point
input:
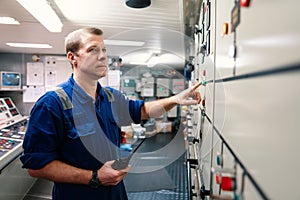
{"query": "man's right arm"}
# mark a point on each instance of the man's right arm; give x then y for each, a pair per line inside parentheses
(58, 171)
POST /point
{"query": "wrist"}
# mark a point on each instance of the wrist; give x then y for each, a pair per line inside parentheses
(174, 99)
(95, 181)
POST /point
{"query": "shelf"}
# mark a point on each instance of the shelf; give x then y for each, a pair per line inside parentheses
(11, 90)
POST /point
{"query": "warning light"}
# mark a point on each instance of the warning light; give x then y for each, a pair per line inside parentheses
(245, 3)
(203, 103)
(225, 28)
(227, 183)
(217, 178)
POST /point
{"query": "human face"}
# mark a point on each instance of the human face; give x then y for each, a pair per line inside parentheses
(91, 58)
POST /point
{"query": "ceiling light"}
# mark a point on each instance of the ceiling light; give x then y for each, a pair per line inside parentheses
(43, 12)
(124, 43)
(8, 20)
(138, 63)
(138, 3)
(29, 45)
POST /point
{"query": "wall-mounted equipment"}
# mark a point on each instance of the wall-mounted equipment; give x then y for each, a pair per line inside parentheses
(147, 86)
(177, 85)
(162, 87)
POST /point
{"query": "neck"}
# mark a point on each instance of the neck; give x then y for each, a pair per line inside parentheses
(87, 84)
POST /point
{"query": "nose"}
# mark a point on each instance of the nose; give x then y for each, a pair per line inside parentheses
(102, 55)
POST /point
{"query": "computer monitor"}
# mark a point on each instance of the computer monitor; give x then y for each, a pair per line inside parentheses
(10, 80)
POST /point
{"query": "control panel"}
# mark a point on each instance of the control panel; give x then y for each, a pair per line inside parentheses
(12, 130)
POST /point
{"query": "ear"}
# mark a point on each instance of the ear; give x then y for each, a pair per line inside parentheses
(72, 58)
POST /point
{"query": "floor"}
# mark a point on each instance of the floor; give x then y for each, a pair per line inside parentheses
(173, 188)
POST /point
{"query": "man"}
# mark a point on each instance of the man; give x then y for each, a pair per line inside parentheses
(73, 133)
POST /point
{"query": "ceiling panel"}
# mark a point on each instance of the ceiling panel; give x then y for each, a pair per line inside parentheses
(160, 26)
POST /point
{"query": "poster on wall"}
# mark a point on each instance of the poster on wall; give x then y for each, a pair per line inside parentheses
(57, 70)
(35, 73)
(32, 93)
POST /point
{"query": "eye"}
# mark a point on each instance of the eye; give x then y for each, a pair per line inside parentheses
(94, 50)
(104, 50)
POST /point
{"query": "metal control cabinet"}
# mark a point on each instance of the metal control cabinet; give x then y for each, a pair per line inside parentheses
(244, 141)
(14, 180)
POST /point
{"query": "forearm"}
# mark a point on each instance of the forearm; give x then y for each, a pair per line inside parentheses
(157, 108)
(61, 172)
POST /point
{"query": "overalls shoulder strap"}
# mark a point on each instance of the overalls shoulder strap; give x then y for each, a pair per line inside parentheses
(64, 98)
(66, 102)
(109, 94)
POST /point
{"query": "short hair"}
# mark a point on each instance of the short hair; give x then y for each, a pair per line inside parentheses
(73, 39)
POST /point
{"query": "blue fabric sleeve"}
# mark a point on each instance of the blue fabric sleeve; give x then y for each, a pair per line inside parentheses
(135, 110)
(126, 111)
(44, 133)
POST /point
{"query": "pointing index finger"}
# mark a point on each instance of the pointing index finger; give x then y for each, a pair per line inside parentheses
(197, 85)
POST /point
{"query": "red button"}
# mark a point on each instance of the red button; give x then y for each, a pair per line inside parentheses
(244, 3)
(227, 183)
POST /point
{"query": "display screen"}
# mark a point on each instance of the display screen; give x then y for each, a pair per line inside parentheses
(14, 112)
(10, 79)
(8, 103)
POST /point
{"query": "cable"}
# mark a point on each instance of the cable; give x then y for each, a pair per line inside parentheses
(246, 172)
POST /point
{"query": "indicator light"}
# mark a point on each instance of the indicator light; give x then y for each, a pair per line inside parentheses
(225, 28)
(227, 183)
(203, 102)
(204, 72)
(236, 196)
(217, 178)
(219, 160)
(245, 3)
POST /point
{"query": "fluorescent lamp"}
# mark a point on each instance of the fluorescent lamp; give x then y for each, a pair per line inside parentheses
(138, 63)
(124, 43)
(8, 20)
(29, 45)
(43, 12)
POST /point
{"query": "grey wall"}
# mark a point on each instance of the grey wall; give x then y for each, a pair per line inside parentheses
(17, 62)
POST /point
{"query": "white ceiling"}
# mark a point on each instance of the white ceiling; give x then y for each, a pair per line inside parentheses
(160, 26)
